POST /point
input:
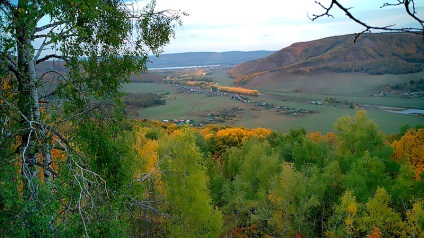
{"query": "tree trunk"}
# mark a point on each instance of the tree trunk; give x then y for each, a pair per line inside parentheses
(35, 144)
(28, 105)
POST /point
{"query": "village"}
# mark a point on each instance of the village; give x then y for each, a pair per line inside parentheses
(234, 112)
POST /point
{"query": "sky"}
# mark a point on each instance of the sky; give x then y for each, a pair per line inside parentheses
(247, 25)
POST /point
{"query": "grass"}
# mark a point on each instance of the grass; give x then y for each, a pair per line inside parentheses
(328, 83)
(391, 122)
(367, 100)
(221, 77)
(145, 88)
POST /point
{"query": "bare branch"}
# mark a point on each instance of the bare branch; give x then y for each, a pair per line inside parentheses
(47, 57)
(13, 70)
(368, 28)
(412, 14)
(51, 25)
(51, 72)
(7, 4)
(47, 95)
(326, 13)
(144, 176)
(40, 36)
(64, 143)
(46, 43)
(7, 103)
(64, 34)
(11, 65)
(392, 4)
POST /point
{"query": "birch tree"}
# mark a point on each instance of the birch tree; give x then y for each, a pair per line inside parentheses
(91, 47)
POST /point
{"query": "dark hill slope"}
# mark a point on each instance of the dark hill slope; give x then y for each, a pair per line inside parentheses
(393, 53)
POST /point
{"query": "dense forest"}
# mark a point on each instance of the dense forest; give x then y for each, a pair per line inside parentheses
(154, 179)
(238, 182)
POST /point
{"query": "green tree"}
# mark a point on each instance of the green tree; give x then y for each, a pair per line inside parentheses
(99, 44)
(284, 144)
(309, 152)
(344, 221)
(359, 134)
(378, 213)
(365, 176)
(331, 178)
(295, 195)
(402, 190)
(414, 224)
(250, 170)
(188, 202)
(109, 147)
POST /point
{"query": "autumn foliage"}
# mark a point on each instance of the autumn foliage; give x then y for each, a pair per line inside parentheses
(411, 147)
(375, 233)
(220, 181)
(295, 184)
(239, 90)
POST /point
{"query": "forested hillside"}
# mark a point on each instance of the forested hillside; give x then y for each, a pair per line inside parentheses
(384, 53)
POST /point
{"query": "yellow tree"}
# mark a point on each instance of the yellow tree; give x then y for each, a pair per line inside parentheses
(344, 221)
(411, 147)
(149, 186)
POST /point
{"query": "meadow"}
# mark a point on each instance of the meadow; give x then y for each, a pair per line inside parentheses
(293, 91)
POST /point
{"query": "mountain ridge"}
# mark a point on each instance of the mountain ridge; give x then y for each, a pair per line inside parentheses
(377, 53)
(177, 60)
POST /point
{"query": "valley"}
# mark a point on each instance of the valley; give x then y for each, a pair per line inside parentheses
(308, 84)
(294, 101)
(184, 86)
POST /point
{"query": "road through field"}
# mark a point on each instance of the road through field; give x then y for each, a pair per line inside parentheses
(192, 109)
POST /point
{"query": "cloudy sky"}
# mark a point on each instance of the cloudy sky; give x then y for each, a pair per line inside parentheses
(245, 25)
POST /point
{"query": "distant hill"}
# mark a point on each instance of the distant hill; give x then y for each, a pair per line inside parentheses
(176, 60)
(183, 59)
(205, 58)
(383, 53)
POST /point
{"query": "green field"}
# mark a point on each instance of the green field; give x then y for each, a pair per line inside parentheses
(294, 92)
(221, 77)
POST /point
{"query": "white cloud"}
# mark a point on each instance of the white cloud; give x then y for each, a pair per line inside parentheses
(223, 25)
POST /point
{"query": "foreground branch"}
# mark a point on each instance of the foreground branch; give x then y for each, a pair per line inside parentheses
(368, 28)
(47, 57)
